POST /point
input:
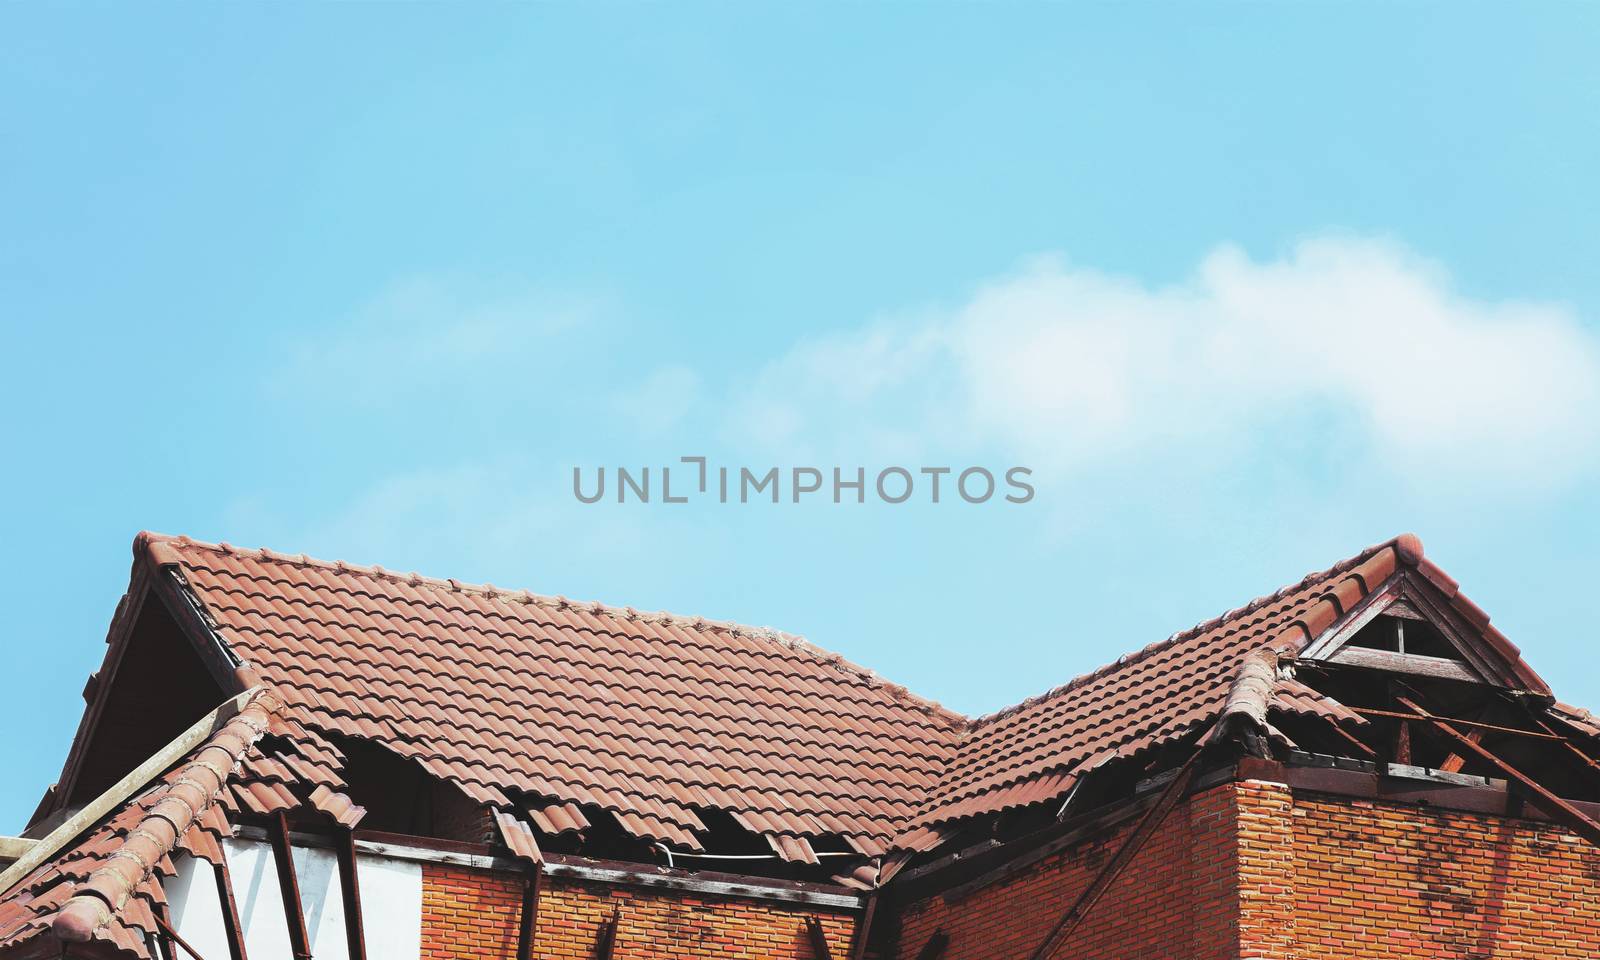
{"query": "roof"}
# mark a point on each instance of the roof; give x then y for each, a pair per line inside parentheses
(550, 702)
(551, 708)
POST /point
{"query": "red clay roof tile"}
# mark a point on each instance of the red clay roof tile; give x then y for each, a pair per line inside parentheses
(518, 838)
(646, 715)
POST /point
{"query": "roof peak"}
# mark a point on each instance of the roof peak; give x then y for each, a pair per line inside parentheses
(1407, 547)
(156, 547)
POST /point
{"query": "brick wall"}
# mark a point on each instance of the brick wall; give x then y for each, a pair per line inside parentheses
(1247, 870)
(1387, 881)
(1175, 901)
(469, 914)
(1266, 895)
(474, 915)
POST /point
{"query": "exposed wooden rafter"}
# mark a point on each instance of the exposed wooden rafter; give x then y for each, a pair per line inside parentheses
(172, 936)
(1554, 806)
(1458, 722)
(1352, 739)
(1456, 760)
(97, 809)
(1571, 747)
(12, 848)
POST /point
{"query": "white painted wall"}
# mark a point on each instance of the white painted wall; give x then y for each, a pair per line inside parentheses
(391, 904)
(196, 909)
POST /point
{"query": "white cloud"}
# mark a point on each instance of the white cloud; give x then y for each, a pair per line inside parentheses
(1348, 372)
(437, 337)
(1355, 343)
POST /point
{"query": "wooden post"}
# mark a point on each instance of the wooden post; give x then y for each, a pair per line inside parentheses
(1402, 737)
(858, 947)
(165, 935)
(350, 886)
(289, 887)
(528, 928)
(819, 939)
(230, 911)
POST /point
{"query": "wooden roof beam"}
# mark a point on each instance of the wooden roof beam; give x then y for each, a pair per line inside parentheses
(1556, 808)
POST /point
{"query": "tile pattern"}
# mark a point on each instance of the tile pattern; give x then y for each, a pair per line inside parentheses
(1034, 752)
(558, 705)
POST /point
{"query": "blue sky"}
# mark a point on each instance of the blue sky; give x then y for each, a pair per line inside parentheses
(1248, 287)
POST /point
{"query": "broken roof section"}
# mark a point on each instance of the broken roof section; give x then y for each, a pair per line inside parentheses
(1034, 752)
(102, 884)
